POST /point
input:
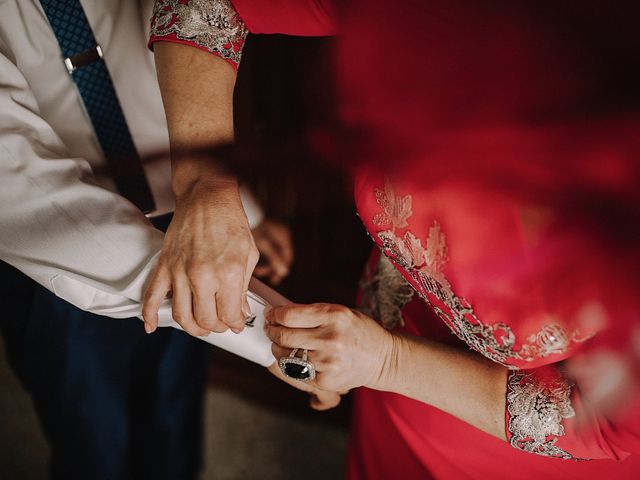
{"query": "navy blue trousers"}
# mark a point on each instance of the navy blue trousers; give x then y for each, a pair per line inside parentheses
(113, 402)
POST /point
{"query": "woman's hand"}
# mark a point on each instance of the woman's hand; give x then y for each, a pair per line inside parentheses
(347, 348)
(273, 240)
(350, 350)
(208, 253)
(320, 399)
(206, 260)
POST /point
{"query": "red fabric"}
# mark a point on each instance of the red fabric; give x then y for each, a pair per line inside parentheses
(488, 126)
(163, 33)
(489, 264)
(396, 437)
(488, 261)
(174, 39)
(477, 111)
(302, 17)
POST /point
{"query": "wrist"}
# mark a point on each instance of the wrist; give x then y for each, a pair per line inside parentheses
(390, 361)
(200, 176)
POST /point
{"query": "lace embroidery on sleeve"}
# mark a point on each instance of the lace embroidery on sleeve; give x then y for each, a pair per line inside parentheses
(424, 262)
(385, 292)
(212, 24)
(536, 409)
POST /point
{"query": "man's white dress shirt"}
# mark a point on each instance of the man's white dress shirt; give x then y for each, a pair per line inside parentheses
(60, 221)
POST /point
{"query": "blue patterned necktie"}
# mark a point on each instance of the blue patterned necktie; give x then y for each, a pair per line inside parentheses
(83, 57)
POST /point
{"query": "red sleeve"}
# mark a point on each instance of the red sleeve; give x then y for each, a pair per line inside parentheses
(548, 415)
(210, 25)
(220, 26)
(292, 17)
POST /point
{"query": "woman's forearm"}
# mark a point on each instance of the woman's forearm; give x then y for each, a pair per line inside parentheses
(461, 383)
(208, 253)
(350, 349)
(197, 92)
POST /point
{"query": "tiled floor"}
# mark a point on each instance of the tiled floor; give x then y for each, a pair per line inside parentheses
(245, 441)
(271, 436)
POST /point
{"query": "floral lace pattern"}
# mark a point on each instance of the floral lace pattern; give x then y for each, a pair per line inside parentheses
(385, 292)
(424, 264)
(536, 409)
(212, 24)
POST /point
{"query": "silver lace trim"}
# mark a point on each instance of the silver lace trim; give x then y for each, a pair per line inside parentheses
(424, 262)
(385, 292)
(212, 24)
(536, 410)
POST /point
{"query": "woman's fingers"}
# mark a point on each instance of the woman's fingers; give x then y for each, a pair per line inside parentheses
(286, 339)
(182, 305)
(273, 240)
(208, 254)
(320, 399)
(298, 316)
(252, 261)
(326, 379)
(281, 237)
(323, 400)
(347, 348)
(204, 299)
(204, 307)
(272, 256)
(279, 352)
(154, 295)
(262, 270)
(229, 302)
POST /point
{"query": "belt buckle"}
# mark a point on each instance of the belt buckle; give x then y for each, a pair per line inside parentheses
(83, 59)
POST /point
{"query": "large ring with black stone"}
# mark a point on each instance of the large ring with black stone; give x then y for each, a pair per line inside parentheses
(298, 368)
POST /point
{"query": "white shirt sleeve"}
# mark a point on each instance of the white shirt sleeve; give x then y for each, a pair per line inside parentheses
(252, 209)
(87, 244)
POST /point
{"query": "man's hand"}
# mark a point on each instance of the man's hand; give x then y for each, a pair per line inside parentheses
(273, 240)
(206, 261)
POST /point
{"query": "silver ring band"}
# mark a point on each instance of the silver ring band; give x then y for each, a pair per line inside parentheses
(298, 368)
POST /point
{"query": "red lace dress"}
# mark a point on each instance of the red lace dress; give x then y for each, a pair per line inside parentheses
(442, 95)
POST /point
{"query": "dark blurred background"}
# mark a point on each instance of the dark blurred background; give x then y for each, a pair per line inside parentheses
(258, 427)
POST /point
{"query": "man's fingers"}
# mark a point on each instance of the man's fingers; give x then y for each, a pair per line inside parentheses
(154, 295)
(182, 306)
